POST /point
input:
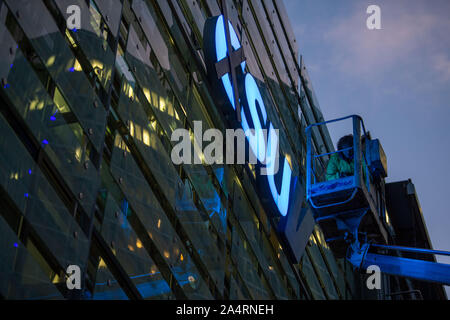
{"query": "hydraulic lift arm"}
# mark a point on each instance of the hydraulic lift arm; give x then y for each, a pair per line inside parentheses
(398, 266)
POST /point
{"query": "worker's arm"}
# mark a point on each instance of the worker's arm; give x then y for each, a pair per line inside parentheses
(332, 168)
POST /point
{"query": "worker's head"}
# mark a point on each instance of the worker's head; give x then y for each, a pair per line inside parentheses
(344, 143)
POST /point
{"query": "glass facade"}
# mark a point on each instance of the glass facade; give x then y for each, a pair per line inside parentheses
(86, 176)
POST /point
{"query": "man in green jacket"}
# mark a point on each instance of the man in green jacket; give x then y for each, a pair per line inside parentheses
(341, 163)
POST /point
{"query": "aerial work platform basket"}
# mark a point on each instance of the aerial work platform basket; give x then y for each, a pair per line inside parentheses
(348, 206)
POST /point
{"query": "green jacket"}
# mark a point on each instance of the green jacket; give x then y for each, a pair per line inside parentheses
(338, 167)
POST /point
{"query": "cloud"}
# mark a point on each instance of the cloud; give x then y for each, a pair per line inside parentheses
(405, 33)
(442, 66)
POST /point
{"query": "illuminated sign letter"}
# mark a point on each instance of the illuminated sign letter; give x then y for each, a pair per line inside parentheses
(275, 186)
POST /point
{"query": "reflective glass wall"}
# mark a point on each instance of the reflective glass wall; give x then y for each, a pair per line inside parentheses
(86, 176)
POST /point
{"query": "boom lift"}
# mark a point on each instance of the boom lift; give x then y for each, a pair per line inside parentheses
(351, 210)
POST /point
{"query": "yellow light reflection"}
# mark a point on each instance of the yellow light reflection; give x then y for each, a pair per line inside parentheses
(78, 154)
(132, 128)
(130, 91)
(102, 264)
(147, 95)
(146, 137)
(77, 66)
(36, 104)
(119, 143)
(96, 64)
(153, 269)
(56, 279)
(50, 61)
(72, 42)
(154, 97)
(162, 104)
(312, 239)
(153, 124)
(288, 158)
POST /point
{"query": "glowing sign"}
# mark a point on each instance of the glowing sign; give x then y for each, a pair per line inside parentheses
(277, 183)
(221, 53)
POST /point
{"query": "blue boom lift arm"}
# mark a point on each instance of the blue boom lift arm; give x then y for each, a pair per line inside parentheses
(398, 266)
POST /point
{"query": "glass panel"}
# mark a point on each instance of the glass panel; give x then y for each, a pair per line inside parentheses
(20, 275)
(322, 269)
(111, 10)
(177, 193)
(271, 88)
(287, 26)
(264, 22)
(152, 33)
(7, 49)
(350, 276)
(198, 17)
(213, 7)
(176, 71)
(92, 38)
(235, 291)
(337, 274)
(146, 206)
(289, 272)
(51, 47)
(311, 279)
(196, 112)
(163, 108)
(106, 286)
(156, 95)
(132, 255)
(257, 241)
(146, 133)
(282, 54)
(61, 142)
(37, 200)
(198, 12)
(247, 267)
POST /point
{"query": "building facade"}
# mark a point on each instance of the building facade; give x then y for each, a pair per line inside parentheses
(86, 175)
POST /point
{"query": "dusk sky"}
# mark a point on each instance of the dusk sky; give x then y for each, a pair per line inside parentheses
(396, 78)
